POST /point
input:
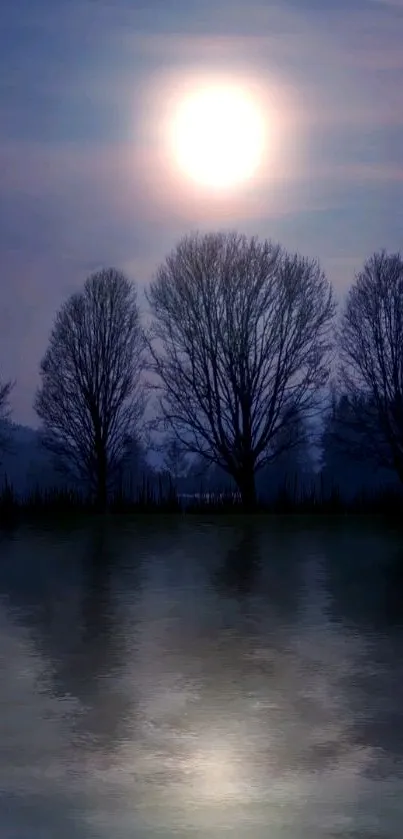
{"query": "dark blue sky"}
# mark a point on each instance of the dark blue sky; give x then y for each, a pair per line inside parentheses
(84, 181)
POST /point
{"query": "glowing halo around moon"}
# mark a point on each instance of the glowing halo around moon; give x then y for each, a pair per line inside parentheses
(218, 135)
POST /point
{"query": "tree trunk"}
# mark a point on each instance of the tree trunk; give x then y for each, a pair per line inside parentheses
(246, 483)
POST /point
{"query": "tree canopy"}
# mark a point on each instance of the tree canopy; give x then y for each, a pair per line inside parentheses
(371, 354)
(240, 344)
(92, 398)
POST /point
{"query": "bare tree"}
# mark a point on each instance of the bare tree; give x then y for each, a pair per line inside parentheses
(240, 340)
(92, 398)
(175, 461)
(371, 354)
(5, 413)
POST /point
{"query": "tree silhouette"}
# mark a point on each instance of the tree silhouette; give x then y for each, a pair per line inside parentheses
(371, 352)
(91, 398)
(175, 461)
(293, 467)
(5, 413)
(348, 464)
(240, 339)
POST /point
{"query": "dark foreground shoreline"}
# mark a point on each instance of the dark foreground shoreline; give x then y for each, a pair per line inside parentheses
(61, 503)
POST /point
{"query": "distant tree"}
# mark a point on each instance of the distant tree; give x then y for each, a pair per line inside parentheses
(293, 466)
(134, 468)
(347, 464)
(175, 460)
(240, 338)
(293, 440)
(338, 440)
(5, 414)
(371, 351)
(200, 474)
(297, 438)
(92, 398)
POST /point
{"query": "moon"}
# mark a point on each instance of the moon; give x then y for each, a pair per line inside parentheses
(218, 136)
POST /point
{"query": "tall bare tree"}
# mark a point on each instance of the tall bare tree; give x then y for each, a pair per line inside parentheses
(240, 340)
(5, 413)
(92, 398)
(371, 354)
(175, 461)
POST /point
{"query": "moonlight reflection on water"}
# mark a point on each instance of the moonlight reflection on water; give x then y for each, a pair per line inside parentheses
(215, 774)
(180, 703)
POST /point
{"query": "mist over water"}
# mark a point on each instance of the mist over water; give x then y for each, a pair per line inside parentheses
(168, 677)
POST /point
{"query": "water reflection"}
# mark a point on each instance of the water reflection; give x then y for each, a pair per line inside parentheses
(394, 588)
(199, 679)
(94, 665)
(364, 567)
(239, 573)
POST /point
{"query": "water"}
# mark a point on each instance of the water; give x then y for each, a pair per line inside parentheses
(195, 678)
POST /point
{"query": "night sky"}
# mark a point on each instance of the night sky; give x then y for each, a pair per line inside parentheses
(85, 180)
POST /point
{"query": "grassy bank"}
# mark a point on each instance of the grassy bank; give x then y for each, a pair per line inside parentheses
(147, 500)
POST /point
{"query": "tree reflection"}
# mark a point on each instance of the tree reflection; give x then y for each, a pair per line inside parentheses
(95, 669)
(239, 573)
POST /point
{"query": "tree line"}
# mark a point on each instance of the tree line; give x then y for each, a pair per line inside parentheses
(243, 343)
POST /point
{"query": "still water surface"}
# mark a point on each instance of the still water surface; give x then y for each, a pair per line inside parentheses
(196, 678)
